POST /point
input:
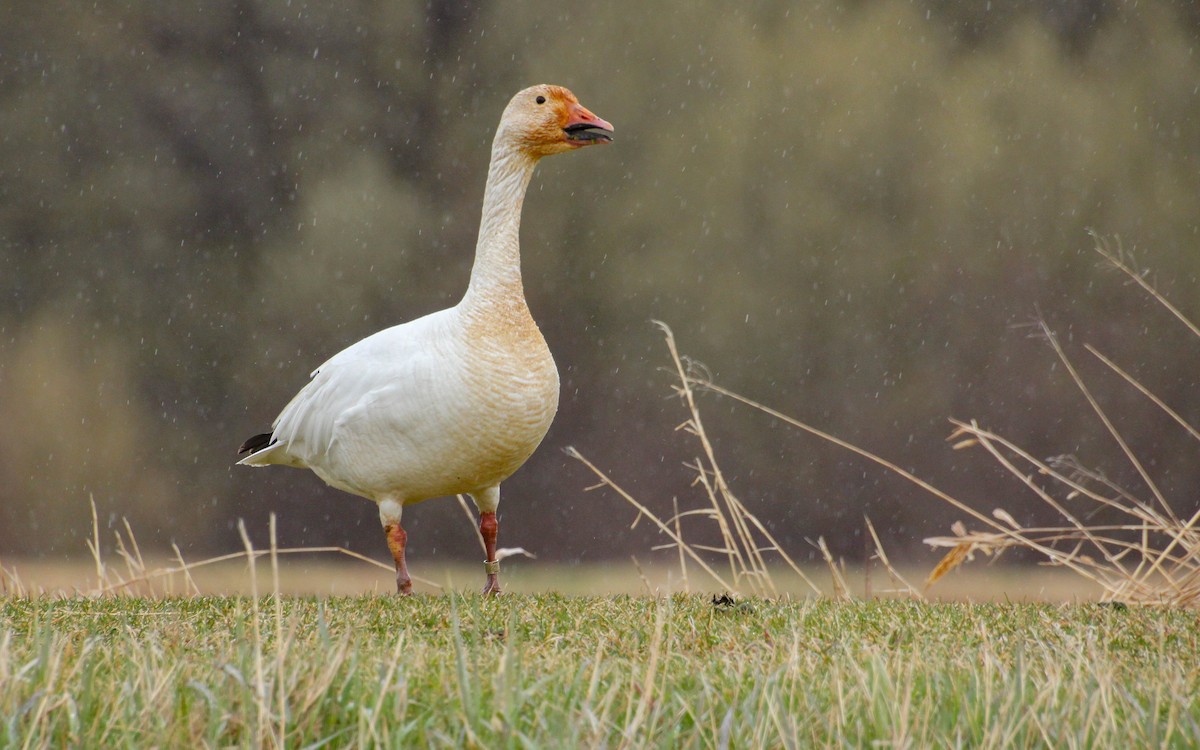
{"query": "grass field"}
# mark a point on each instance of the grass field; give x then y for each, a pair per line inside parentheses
(561, 671)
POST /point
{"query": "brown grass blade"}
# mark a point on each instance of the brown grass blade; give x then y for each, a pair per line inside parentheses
(951, 560)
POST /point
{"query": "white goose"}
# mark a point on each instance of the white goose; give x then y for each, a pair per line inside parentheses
(453, 402)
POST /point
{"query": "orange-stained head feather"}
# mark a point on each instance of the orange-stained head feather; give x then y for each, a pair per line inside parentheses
(537, 127)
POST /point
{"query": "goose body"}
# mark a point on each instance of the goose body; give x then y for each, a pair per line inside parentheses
(456, 401)
(420, 410)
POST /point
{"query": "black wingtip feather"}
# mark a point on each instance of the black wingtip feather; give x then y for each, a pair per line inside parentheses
(255, 444)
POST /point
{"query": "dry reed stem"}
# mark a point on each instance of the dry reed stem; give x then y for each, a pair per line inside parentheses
(1111, 574)
(281, 644)
(1152, 521)
(959, 553)
(187, 574)
(140, 579)
(986, 440)
(466, 509)
(1161, 573)
(740, 516)
(733, 555)
(150, 575)
(1117, 259)
(94, 542)
(605, 481)
(840, 589)
(874, 458)
(1145, 392)
(745, 540)
(894, 574)
(10, 583)
(682, 557)
(733, 514)
(1112, 430)
(1160, 576)
(260, 699)
(1114, 580)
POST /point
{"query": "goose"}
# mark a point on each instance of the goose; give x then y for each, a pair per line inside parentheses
(453, 402)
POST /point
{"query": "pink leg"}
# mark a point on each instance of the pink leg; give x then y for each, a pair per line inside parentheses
(487, 529)
(397, 540)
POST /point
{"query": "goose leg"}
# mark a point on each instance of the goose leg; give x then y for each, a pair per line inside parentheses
(488, 527)
(488, 501)
(397, 540)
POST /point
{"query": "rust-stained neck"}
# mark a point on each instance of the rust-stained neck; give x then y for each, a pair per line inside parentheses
(496, 274)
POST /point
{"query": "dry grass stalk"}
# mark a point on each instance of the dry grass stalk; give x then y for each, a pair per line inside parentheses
(1150, 559)
(961, 550)
(10, 583)
(745, 559)
(706, 384)
(840, 589)
(1122, 260)
(1001, 531)
(881, 556)
(262, 710)
(745, 541)
(139, 579)
(747, 550)
(1154, 557)
(682, 557)
(643, 511)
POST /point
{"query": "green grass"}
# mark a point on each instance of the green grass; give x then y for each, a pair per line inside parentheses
(554, 671)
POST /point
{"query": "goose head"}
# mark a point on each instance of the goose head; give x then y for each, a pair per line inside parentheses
(544, 120)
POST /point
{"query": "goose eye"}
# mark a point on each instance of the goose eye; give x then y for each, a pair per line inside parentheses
(541, 100)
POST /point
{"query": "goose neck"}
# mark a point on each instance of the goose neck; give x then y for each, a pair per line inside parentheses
(497, 268)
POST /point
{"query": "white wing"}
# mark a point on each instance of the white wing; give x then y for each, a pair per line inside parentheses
(403, 360)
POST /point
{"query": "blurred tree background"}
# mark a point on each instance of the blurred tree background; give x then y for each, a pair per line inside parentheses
(847, 210)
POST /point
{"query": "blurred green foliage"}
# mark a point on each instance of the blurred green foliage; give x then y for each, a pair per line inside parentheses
(847, 210)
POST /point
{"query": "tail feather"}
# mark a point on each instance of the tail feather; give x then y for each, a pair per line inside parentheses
(256, 443)
(266, 450)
